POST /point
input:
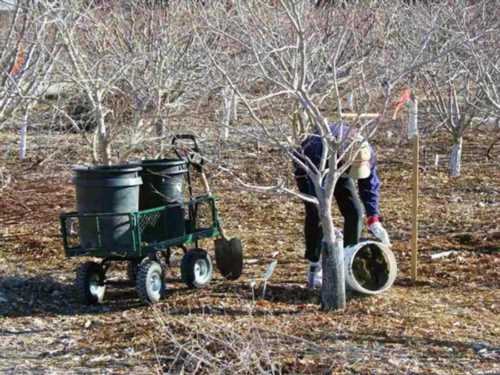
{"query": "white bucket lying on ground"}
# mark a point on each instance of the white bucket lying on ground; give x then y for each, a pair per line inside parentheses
(370, 267)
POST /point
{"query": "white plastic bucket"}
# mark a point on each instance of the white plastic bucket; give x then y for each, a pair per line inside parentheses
(374, 260)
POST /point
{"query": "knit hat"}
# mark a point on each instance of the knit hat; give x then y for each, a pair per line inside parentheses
(360, 167)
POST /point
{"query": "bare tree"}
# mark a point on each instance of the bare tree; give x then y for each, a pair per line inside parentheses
(453, 101)
(27, 55)
(172, 75)
(290, 58)
(291, 65)
(229, 111)
(485, 60)
(88, 66)
(133, 64)
(434, 42)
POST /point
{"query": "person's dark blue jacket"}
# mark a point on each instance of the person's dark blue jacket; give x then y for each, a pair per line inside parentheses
(369, 188)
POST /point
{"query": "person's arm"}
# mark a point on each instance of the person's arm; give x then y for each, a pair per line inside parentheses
(369, 192)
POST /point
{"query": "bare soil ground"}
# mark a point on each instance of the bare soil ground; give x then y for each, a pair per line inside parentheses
(445, 324)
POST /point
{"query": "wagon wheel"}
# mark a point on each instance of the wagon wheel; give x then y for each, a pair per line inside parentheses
(196, 268)
(89, 283)
(132, 268)
(150, 283)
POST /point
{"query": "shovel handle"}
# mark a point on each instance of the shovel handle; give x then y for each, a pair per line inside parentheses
(205, 182)
(222, 233)
(209, 192)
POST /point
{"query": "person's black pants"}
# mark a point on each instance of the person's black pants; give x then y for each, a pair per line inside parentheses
(349, 206)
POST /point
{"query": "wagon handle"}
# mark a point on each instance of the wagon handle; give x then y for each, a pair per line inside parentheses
(195, 156)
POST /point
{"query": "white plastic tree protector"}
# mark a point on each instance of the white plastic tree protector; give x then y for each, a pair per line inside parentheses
(350, 254)
(413, 119)
(455, 163)
(23, 136)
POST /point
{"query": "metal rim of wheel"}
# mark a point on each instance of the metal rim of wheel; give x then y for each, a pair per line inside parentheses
(196, 268)
(155, 283)
(149, 283)
(202, 271)
(90, 283)
(94, 287)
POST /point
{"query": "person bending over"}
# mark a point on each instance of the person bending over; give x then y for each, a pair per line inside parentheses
(350, 202)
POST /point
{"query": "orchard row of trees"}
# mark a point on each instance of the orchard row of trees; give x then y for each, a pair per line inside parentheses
(286, 67)
(125, 68)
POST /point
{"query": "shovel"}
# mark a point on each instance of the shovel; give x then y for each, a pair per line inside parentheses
(228, 251)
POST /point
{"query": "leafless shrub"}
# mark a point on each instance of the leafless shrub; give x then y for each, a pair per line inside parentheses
(199, 346)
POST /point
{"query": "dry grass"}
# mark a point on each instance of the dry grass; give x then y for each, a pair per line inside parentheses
(446, 324)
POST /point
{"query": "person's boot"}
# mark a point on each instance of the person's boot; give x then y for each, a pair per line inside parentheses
(314, 275)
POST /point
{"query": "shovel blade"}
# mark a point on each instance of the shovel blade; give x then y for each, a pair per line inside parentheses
(229, 257)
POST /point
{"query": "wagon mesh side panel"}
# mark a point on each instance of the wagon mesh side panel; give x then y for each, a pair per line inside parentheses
(148, 223)
(204, 219)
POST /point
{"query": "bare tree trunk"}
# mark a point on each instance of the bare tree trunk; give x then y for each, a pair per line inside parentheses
(160, 133)
(22, 141)
(333, 295)
(234, 107)
(228, 115)
(227, 101)
(160, 126)
(456, 157)
(103, 151)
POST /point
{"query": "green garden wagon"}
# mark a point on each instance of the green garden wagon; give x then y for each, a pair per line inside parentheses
(137, 213)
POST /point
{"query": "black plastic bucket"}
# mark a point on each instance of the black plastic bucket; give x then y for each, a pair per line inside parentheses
(107, 189)
(163, 185)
